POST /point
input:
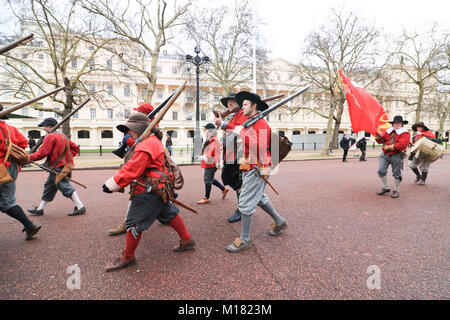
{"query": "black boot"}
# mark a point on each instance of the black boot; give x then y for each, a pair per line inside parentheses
(235, 217)
(417, 172)
(424, 177)
(31, 230)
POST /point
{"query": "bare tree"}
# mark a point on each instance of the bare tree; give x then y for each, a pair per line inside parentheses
(225, 35)
(144, 28)
(420, 56)
(345, 43)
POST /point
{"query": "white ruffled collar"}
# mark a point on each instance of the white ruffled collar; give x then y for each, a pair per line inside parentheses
(397, 131)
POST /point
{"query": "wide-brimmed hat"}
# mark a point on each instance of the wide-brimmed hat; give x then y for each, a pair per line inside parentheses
(231, 96)
(253, 97)
(48, 122)
(145, 108)
(209, 126)
(419, 124)
(1, 109)
(398, 119)
(137, 122)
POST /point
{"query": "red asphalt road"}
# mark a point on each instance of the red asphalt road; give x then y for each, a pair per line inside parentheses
(338, 227)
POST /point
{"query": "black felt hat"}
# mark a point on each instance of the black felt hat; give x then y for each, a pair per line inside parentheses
(398, 119)
(419, 124)
(48, 122)
(224, 101)
(253, 97)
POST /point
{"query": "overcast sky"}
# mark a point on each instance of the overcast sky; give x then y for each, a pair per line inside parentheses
(287, 22)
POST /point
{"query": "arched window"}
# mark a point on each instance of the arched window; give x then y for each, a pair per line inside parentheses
(173, 134)
(35, 134)
(296, 132)
(107, 134)
(83, 134)
(190, 134)
(281, 133)
(311, 132)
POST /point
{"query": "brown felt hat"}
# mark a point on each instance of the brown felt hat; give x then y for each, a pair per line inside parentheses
(419, 124)
(138, 122)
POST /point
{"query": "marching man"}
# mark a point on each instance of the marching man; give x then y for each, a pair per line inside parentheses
(59, 151)
(395, 141)
(145, 168)
(420, 161)
(256, 167)
(8, 205)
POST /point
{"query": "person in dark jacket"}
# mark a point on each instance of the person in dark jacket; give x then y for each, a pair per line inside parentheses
(362, 145)
(31, 142)
(169, 143)
(345, 144)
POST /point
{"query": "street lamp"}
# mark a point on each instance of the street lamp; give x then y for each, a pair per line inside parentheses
(197, 61)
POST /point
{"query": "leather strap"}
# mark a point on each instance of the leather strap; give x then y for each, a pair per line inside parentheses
(66, 148)
(9, 144)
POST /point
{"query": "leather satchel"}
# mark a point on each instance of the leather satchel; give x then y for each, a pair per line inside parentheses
(5, 177)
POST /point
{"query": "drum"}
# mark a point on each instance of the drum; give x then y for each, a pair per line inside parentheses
(428, 149)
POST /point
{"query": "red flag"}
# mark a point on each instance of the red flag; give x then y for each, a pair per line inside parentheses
(366, 113)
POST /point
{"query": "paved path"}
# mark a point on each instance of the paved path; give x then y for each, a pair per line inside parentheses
(338, 227)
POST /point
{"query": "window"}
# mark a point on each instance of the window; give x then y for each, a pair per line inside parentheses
(189, 94)
(216, 96)
(190, 134)
(296, 132)
(107, 134)
(109, 89)
(126, 90)
(41, 56)
(35, 134)
(203, 116)
(41, 114)
(75, 91)
(159, 93)
(127, 113)
(311, 132)
(144, 93)
(110, 113)
(281, 133)
(93, 113)
(125, 67)
(158, 69)
(109, 65)
(92, 64)
(174, 70)
(24, 55)
(175, 115)
(56, 115)
(76, 115)
(173, 134)
(25, 111)
(92, 87)
(280, 117)
(83, 134)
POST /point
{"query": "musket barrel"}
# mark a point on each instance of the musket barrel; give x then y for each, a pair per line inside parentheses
(28, 102)
(16, 43)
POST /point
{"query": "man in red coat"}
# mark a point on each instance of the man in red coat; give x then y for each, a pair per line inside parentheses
(59, 151)
(256, 168)
(8, 205)
(210, 159)
(418, 161)
(147, 167)
(231, 175)
(395, 141)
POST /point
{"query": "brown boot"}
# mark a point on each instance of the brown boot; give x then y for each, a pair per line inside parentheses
(121, 263)
(204, 200)
(188, 245)
(118, 230)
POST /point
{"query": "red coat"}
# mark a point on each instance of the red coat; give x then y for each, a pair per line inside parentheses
(212, 153)
(238, 120)
(256, 140)
(52, 148)
(149, 154)
(401, 141)
(17, 138)
(420, 134)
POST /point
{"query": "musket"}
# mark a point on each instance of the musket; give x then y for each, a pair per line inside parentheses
(150, 190)
(155, 121)
(50, 170)
(264, 113)
(59, 124)
(222, 115)
(28, 102)
(16, 43)
(120, 152)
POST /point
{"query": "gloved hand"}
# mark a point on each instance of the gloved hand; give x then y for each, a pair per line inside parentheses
(105, 189)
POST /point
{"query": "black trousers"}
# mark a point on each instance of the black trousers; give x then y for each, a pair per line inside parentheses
(363, 155)
(209, 180)
(345, 155)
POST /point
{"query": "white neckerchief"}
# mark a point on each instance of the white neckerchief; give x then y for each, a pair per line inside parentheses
(397, 131)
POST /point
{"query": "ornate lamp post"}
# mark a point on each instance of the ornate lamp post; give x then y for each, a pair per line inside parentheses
(197, 61)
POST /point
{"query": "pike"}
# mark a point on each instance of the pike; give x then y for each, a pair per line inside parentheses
(222, 115)
(38, 144)
(28, 102)
(50, 170)
(120, 152)
(155, 121)
(149, 189)
(21, 41)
